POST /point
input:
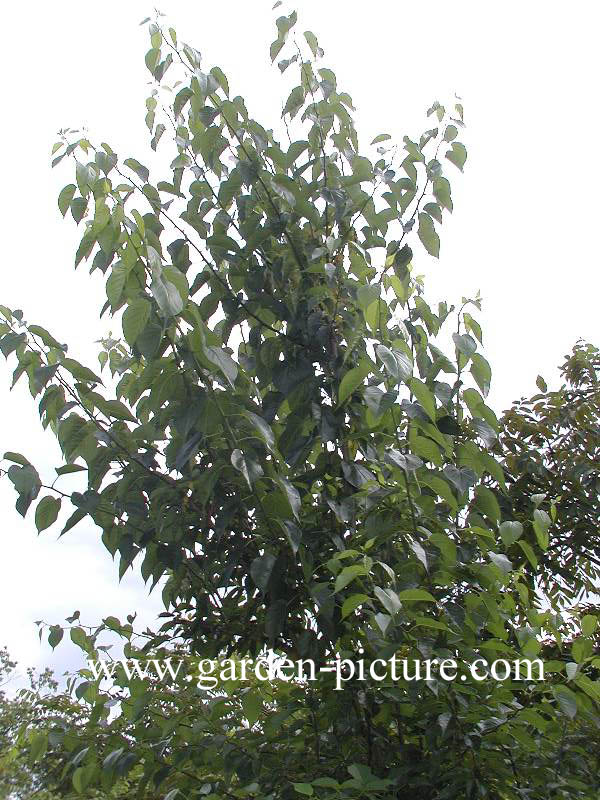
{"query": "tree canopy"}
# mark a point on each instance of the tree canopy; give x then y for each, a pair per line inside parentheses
(295, 446)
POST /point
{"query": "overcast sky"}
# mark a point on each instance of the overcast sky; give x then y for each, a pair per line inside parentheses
(524, 229)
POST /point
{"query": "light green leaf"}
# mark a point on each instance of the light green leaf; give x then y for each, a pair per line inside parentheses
(510, 532)
(481, 372)
(352, 379)
(140, 170)
(501, 561)
(304, 788)
(457, 155)
(450, 133)
(65, 197)
(135, 317)
(588, 625)
(79, 372)
(428, 235)
(416, 595)
(352, 603)
(465, 344)
(167, 296)
(424, 396)
(389, 600)
(348, 574)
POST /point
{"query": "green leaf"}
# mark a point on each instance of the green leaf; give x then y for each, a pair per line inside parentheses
(78, 208)
(510, 532)
(46, 337)
(353, 602)
(17, 458)
(27, 484)
(465, 344)
(135, 317)
(182, 97)
(65, 197)
(38, 744)
(434, 210)
(416, 595)
(285, 24)
(55, 636)
(292, 495)
(362, 170)
(46, 512)
(588, 625)
(501, 561)
(529, 553)
(541, 525)
(166, 295)
(312, 42)
(304, 788)
(152, 58)
(424, 396)
(353, 378)
(428, 235)
(79, 372)
(266, 433)
(481, 372)
(250, 469)
(117, 410)
(253, 706)
(381, 138)
(261, 570)
(294, 102)
(457, 155)
(487, 503)
(450, 133)
(80, 638)
(223, 361)
(68, 468)
(281, 188)
(366, 295)
(567, 700)
(115, 284)
(218, 74)
(140, 170)
(383, 622)
(389, 599)
(348, 574)
(385, 355)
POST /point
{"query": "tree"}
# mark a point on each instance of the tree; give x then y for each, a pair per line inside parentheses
(550, 443)
(296, 446)
(23, 772)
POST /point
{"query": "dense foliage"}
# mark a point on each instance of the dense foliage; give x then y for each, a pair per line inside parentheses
(297, 448)
(551, 445)
(24, 716)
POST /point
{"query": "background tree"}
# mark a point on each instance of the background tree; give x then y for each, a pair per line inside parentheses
(551, 446)
(297, 447)
(27, 768)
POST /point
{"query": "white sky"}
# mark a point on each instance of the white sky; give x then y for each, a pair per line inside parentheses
(524, 229)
